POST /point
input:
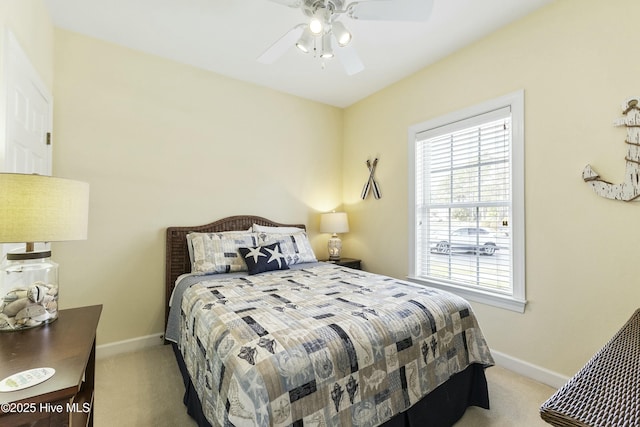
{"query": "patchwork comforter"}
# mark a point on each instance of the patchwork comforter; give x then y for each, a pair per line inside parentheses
(322, 346)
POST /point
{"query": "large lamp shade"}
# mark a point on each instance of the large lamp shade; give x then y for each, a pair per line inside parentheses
(36, 208)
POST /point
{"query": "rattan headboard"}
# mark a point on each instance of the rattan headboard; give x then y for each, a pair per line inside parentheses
(177, 255)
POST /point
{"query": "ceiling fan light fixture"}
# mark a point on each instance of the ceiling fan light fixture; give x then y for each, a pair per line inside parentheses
(319, 20)
(326, 51)
(306, 42)
(315, 26)
(343, 36)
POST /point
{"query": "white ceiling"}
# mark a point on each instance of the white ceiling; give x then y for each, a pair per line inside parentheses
(226, 36)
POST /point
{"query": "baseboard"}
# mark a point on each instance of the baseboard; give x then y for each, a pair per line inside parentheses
(529, 370)
(126, 346)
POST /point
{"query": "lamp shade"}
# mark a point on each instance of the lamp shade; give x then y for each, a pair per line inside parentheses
(319, 20)
(325, 46)
(37, 208)
(306, 42)
(343, 36)
(334, 222)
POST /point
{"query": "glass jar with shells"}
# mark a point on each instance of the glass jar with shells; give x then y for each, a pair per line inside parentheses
(28, 290)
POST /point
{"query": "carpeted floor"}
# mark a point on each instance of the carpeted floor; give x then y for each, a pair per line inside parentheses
(144, 388)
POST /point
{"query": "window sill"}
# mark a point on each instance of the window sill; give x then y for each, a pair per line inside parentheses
(496, 300)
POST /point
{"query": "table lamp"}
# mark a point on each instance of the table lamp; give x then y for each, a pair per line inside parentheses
(334, 222)
(36, 208)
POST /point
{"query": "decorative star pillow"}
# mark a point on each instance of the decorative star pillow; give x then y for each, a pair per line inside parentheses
(264, 258)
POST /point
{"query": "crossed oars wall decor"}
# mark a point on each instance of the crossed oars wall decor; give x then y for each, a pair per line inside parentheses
(371, 182)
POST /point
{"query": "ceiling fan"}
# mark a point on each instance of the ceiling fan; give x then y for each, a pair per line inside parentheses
(324, 35)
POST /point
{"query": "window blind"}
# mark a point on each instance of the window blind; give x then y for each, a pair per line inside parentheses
(463, 202)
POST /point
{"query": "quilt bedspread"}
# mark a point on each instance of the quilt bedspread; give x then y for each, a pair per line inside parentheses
(322, 346)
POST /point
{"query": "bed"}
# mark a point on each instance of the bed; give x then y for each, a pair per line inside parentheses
(310, 343)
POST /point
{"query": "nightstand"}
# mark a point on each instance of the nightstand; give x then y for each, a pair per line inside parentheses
(67, 345)
(346, 262)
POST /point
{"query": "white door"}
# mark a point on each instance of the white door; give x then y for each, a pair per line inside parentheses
(25, 141)
(27, 115)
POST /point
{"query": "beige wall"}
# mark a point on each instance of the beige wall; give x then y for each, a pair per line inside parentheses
(30, 23)
(577, 63)
(166, 144)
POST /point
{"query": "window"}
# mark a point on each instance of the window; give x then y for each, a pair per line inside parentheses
(466, 187)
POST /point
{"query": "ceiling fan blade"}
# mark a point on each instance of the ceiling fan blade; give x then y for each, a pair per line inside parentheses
(391, 10)
(283, 44)
(290, 3)
(348, 58)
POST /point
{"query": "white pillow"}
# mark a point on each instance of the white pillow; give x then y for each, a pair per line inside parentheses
(276, 230)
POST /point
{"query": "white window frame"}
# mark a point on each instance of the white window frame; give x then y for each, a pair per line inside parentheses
(516, 300)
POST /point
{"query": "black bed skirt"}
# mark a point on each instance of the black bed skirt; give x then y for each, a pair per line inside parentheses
(441, 408)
